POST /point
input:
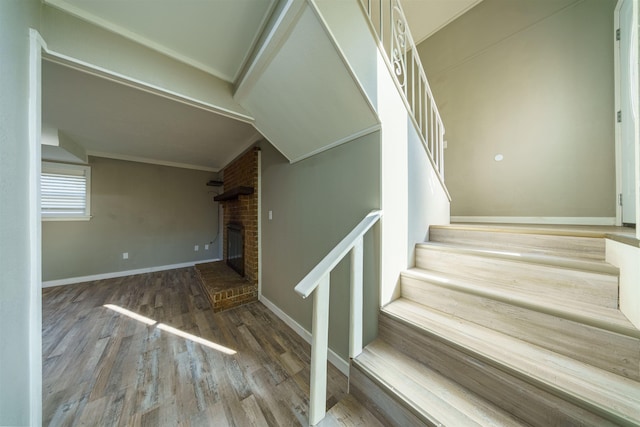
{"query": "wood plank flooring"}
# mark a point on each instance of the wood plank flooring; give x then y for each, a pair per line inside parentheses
(104, 368)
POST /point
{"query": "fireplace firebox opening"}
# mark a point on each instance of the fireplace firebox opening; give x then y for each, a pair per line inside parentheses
(235, 247)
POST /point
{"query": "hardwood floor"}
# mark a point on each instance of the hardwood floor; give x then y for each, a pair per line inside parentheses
(103, 367)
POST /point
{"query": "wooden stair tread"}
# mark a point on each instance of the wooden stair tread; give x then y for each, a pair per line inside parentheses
(526, 257)
(575, 243)
(589, 314)
(432, 397)
(551, 230)
(569, 279)
(600, 391)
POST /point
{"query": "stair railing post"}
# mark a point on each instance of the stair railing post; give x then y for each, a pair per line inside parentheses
(355, 313)
(319, 348)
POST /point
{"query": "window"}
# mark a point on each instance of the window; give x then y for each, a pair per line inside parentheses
(65, 191)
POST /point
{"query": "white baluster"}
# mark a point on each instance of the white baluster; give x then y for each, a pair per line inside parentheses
(381, 22)
(442, 150)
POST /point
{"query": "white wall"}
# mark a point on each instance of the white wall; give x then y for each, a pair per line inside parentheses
(412, 197)
(348, 26)
(627, 258)
(18, 380)
(427, 203)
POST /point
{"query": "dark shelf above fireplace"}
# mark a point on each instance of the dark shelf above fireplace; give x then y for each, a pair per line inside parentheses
(234, 193)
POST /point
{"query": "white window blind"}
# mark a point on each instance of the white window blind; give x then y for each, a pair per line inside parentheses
(64, 191)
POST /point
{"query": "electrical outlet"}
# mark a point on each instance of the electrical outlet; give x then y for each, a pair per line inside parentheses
(206, 247)
(270, 215)
(196, 248)
(125, 255)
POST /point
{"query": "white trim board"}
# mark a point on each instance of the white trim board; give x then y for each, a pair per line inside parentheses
(146, 160)
(559, 220)
(36, 46)
(617, 136)
(103, 276)
(618, 130)
(337, 361)
(270, 46)
(349, 138)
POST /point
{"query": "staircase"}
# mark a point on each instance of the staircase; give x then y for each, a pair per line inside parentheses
(504, 325)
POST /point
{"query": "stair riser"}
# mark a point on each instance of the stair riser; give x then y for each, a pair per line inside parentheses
(566, 246)
(605, 349)
(555, 282)
(379, 402)
(524, 400)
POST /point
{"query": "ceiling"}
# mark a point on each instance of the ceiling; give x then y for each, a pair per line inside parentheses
(425, 17)
(319, 103)
(113, 120)
(216, 36)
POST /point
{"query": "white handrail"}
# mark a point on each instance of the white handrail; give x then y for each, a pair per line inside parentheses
(317, 282)
(309, 283)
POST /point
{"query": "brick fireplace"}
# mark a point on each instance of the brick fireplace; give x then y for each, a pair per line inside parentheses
(225, 288)
(240, 210)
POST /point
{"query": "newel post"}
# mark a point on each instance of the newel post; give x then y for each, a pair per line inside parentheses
(319, 347)
(355, 313)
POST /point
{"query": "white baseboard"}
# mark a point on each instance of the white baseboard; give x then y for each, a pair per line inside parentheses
(548, 220)
(103, 276)
(337, 361)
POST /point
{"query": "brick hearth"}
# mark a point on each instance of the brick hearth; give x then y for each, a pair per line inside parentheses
(224, 287)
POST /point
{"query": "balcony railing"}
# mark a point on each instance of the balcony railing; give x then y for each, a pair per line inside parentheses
(388, 22)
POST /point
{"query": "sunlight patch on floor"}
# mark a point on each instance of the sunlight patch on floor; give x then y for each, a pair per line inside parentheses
(170, 329)
(131, 314)
(194, 338)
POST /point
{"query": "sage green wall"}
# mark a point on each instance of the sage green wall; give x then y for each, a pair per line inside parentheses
(16, 316)
(155, 213)
(315, 203)
(531, 80)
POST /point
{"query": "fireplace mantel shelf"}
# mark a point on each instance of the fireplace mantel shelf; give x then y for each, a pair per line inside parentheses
(234, 193)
